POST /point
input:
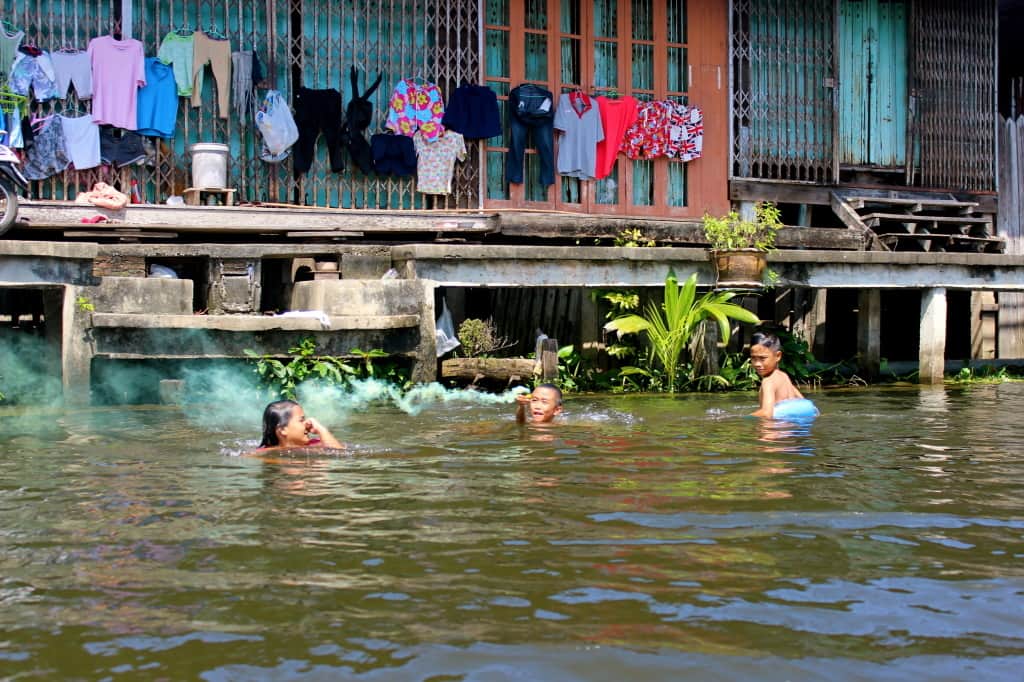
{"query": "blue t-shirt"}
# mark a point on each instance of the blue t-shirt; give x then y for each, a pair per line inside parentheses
(158, 101)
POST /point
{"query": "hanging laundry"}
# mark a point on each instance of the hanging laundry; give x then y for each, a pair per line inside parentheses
(358, 116)
(47, 156)
(416, 107)
(317, 111)
(217, 53)
(178, 50)
(617, 115)
(9, 42)
(435, 164)
(274, 121)
(121, 147)
(665, 128)
(473, 111)
(36, 72)
(579, 120)
(393, 154)
(532, 108)
(81, 141)
(158, 101)
(686, 133)
(118, 71)
(243, 87)
(72, 67)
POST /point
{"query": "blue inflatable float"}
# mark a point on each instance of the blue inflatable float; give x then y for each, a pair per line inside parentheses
(796, 408)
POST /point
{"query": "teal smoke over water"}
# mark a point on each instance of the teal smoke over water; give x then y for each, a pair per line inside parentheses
(225, 398)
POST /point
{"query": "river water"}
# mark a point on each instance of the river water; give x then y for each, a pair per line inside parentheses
(644, 538)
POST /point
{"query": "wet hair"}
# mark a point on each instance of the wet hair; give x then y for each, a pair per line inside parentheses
(275, 416)
(766, 339)
(556, 389)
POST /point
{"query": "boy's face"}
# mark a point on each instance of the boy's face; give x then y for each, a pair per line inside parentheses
(544, 405)
(764, 359)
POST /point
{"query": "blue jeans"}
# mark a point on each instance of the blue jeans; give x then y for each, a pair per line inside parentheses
(531, 107)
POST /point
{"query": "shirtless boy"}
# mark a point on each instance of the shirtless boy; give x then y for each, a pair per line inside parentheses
(544, 404)
(776, 387)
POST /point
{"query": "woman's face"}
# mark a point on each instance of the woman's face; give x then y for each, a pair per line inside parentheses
(294, 433)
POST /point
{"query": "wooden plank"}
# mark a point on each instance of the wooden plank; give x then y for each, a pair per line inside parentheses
(908, 217)
(498, 369)
(852, 220)
(904, 201)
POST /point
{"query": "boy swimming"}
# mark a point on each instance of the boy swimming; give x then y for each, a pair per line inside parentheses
(545, 403)
(779, 398)
(285, 425)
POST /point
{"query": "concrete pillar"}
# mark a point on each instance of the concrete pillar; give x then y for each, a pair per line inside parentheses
(424, 367)
(869, 333)
(984, 330)
(53, 314)
(76, 346)
(932, 353)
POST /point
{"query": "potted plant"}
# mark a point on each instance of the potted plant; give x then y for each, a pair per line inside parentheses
(738, 247)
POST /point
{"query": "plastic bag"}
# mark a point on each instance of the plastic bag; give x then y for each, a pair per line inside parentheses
(445, 331)
(276, 124)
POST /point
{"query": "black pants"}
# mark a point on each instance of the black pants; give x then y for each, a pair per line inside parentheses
(317, 111)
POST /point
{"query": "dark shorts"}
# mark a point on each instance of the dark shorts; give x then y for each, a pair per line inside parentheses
(121, 147)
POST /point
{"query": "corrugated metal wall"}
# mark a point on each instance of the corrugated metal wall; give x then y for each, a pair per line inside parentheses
(302, 42)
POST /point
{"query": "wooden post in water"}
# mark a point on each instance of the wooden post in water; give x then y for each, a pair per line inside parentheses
(549, 359)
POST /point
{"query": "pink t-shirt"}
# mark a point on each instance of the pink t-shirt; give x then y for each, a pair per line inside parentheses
(118, 71)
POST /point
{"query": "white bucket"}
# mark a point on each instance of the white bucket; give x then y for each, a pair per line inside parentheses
(209, 165)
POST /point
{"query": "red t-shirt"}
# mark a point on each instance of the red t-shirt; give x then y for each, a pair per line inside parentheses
(616, 117)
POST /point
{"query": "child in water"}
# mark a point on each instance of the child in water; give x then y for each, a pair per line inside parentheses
(545, 403)
(779, 397)
(285, 425)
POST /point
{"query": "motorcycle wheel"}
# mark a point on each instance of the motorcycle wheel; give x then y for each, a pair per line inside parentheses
(8, 205)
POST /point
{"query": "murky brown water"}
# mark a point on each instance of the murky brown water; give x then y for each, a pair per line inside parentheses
(648, 538)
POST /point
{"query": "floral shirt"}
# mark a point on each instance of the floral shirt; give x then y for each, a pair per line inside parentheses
(435, 161)
(665, 128)
(416, 107)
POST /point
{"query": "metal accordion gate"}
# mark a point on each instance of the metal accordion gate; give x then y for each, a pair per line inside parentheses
(783, 90)
(954, 74)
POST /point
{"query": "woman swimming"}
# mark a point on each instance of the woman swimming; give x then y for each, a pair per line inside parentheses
(285, 425)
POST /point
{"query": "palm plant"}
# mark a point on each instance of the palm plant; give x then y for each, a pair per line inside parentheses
(671, 326)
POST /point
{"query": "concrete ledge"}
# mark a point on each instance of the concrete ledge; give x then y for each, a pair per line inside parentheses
(251, 323)
(369, 298)
(14, 247)
(142, 295)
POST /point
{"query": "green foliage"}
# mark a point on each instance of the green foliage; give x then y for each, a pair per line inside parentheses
(622, 303)
(282, 377)
(670, 327)
(479, 338)
(578, 374)
(986, 375)
(730, 231)
(84, 304)
(632, 237)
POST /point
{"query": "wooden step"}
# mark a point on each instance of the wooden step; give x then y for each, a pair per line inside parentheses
(858, 202)
(966, 244)
(917, 218)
